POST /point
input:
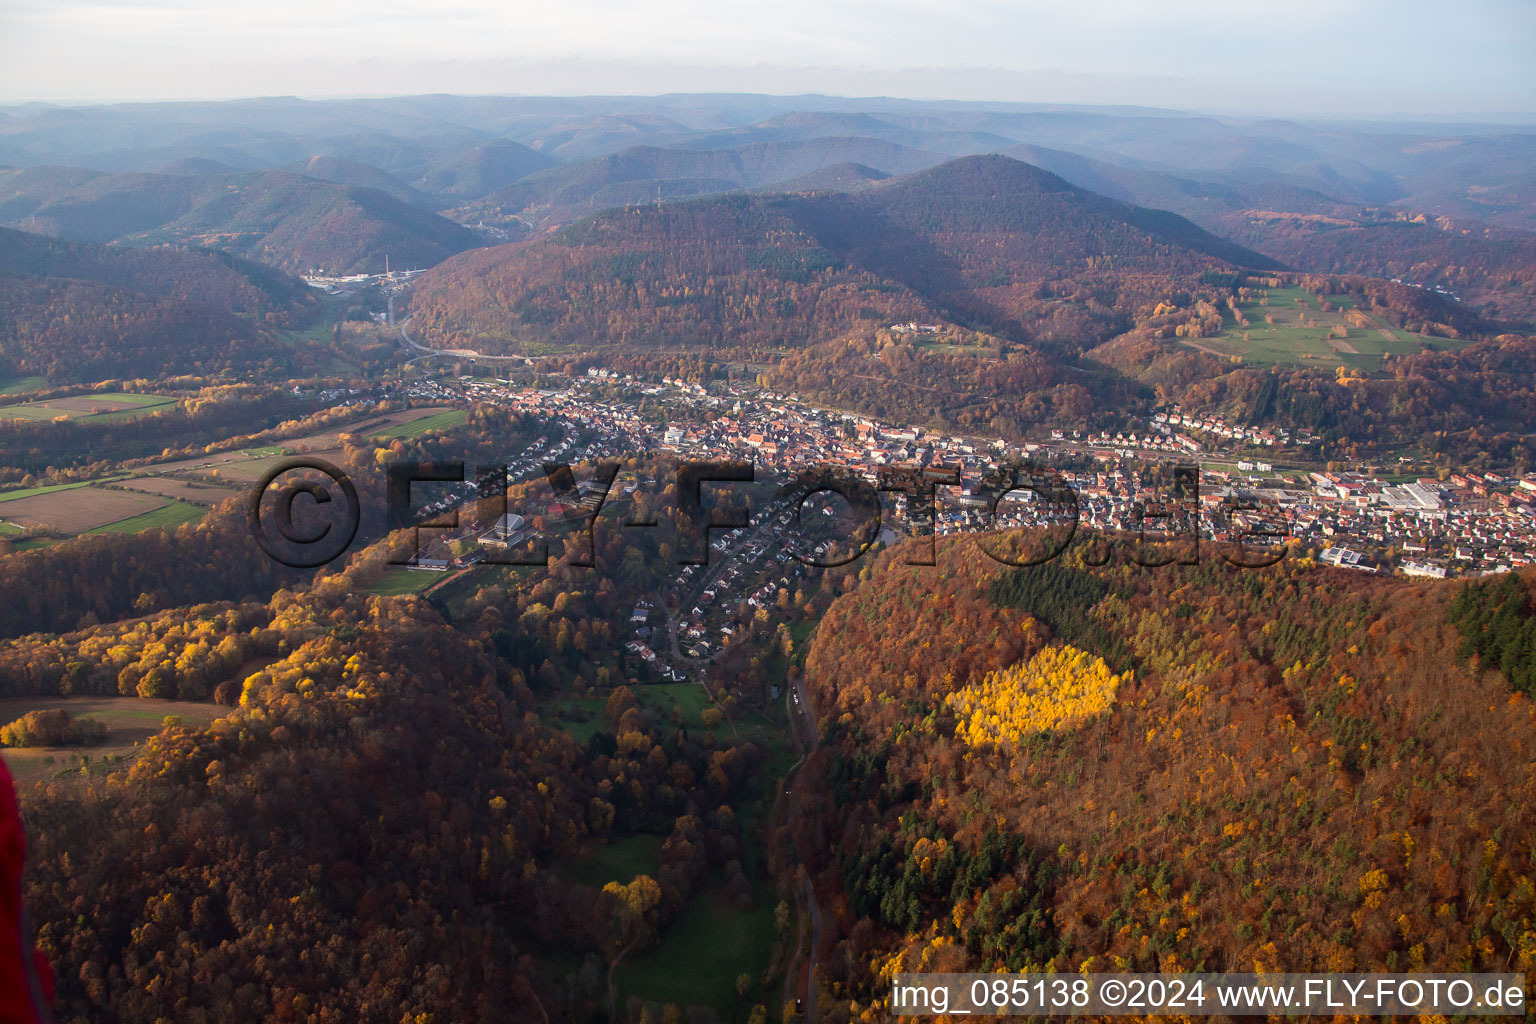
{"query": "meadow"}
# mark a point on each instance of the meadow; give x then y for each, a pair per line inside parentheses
(129, 721)
(699, 958)
(102, 408)
(20, 385)
(396, 581)
(617, 860)
(166, 517)
(1300, 334)
(444, 420)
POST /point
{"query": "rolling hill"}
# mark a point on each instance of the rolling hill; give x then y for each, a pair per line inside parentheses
(349, 172)
(986, 240)
(287, 220)
(474, 171)
(73, 312)
(1260, 782)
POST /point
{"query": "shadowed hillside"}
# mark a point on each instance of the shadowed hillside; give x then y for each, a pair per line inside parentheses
(79, 312)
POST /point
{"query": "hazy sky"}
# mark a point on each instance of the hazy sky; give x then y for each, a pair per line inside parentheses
(1290, 56)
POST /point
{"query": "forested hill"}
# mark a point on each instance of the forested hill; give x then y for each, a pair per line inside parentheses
(1048, 222)
(209, 277)
(287, 220)
(987, 240)
(1189, 768)
(75, 312)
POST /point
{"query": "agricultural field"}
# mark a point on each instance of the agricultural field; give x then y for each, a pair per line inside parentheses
(442, 420)
(1302, 333)
(77, 509)
(233, 471)
(241, 473)
(217, 461)
(129, 721)
(195, 491)
(27, 492)
(166, 517)
(402, 423)
(105, 408)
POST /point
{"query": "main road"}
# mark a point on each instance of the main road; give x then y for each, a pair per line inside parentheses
(424, 352)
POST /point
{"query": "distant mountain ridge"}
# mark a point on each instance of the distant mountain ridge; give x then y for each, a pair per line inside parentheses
(287, 220)
(478, 160)
(477, 170)
(987, 240)
(648, 173)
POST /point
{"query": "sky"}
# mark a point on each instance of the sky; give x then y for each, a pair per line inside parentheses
(1318, 57)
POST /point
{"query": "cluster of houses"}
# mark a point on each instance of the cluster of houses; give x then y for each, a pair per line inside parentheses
(1468, 523)
(1176, 424)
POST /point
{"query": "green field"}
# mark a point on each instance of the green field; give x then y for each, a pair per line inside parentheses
(17, 385)
(583, 717)
(439, 421)
(28, 492)
(618, 860)
(704, 949)
(699, 957)
(55, 407)
(167, 517)
(10, 529)
(395, 581)
(676, 701)
(1290, 341)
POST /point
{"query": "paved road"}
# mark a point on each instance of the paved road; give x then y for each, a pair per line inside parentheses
(426, 353)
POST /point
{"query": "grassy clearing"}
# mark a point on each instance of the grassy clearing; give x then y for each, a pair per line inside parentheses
(1299, 335)
(704, 950)
(580, 717)
(129, 721)
(10, 529)
(167, 517)
(18, 385)
(682, 702)
(617, 860)
(395, 581)
(415, 428)
(584, 717)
